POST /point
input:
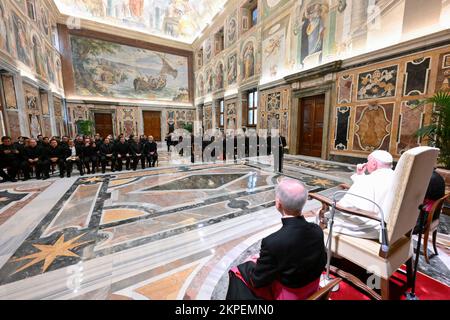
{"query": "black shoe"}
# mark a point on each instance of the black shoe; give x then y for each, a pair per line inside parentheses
(38, 177)
(26, 179)
(46, 177)
(3, 181)
(103, 171)
(13, 180)
(68, 175)
(81, 173)
(61, 175)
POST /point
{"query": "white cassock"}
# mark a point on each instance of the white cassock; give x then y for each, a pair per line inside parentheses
(375, 187)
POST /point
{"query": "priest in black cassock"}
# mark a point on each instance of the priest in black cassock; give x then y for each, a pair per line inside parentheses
(291, 260)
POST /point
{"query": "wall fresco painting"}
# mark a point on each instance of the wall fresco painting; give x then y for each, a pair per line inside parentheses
(274, 49)
(232, 69)
(22, 42)
(309, 28)
(4, 30)
(269, 6)
(248, 60)
(108, 69)
(231, 30)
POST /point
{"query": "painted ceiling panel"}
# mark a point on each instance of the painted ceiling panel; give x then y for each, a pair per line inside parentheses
(180, 20)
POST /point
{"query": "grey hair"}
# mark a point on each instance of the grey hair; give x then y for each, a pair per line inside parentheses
(291, 201)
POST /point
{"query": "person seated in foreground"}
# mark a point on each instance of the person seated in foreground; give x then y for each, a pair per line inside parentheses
(291, 260)
(372, 181)
(435, 191)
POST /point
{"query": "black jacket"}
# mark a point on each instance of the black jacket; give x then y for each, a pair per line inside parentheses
(89, 151)
(13, 154)
(135, 148)
(122, 148)
(106, 149)
(57, 152)
(150, 147)
(36, 152)
(295, 256)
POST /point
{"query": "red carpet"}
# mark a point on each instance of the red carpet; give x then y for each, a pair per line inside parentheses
(426, 289)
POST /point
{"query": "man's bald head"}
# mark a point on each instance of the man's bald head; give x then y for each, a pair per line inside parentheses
(291, 196)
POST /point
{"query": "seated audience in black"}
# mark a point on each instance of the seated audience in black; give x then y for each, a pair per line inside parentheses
(291, 260)
(35, 157)
(56, 155)
(122, 152)
(151, 151)
(9, 160)
(73, 154)
(90, 158)
(107, 155)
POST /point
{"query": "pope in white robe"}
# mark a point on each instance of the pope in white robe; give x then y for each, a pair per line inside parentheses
(372, 180)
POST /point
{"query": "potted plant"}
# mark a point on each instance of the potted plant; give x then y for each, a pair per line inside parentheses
(85, 127)
(438, 132)
(188, 127)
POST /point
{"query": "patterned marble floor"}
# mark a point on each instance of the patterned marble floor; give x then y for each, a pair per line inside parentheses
(165, 233)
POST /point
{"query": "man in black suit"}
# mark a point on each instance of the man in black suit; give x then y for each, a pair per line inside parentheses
(292, 258)
(9, 159)
(35, 156)
(73, 154)
(56, 155)
(89, 152)
(137, 152)
(151, 151)
(107, 155)
(122, 152)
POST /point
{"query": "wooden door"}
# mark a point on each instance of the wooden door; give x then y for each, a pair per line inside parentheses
(311, 125)
(152, 124)
(103, 124)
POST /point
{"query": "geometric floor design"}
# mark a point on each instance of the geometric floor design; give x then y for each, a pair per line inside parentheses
(164, 233)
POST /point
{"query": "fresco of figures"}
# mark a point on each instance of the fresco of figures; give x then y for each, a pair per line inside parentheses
(248, 60)
(274, 56)
(22, 41)
(232, 69)
(295, 35)
(4, 30)
(179, 19)
(107, 69)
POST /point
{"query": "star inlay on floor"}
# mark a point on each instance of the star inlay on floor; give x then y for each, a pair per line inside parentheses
(48, 253)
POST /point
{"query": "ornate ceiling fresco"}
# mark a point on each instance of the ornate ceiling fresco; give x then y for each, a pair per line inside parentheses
(180, 20)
